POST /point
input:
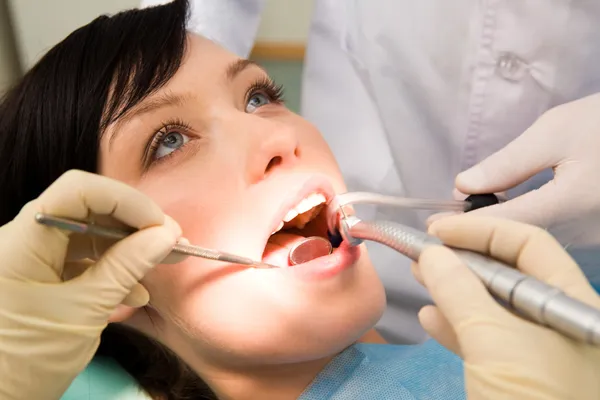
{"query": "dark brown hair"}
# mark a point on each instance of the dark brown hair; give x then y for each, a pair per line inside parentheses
(52, 121)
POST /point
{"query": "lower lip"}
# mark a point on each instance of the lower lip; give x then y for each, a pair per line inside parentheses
(328, 266)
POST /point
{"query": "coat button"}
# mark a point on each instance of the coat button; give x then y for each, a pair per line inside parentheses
(511, 67)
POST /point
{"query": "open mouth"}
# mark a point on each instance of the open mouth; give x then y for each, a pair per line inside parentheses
(308, 218)
(302, 215)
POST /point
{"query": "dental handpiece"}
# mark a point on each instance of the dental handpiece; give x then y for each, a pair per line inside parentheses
(113, 233)
(527, 296)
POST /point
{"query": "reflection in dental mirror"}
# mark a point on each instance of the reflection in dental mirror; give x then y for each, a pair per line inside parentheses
(310, 249)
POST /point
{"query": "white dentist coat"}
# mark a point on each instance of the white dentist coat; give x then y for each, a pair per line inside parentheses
(409, 93)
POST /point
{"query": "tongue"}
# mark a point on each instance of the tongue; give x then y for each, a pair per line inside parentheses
(277, 251)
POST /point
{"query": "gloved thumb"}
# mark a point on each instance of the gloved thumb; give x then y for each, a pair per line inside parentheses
(438, 327)
(117, 273)
(459, 296)
(512, 165)
(137, 297)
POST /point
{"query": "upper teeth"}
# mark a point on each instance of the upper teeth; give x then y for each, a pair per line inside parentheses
(303, 206)
(306, 204)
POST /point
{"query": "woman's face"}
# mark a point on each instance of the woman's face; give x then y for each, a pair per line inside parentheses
(217, 150)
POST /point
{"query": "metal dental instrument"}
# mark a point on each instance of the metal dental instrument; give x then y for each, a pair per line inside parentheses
(309, 249)
(112, 233)
(527, 296)
(469, 204)
(337, 205)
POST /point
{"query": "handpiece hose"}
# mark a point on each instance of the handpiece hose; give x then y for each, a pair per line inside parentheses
(524, 294)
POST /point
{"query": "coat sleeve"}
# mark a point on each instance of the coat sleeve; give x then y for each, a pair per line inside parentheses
(231, 23)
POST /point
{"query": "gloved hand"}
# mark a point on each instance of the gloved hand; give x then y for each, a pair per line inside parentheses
(506, 357)
(567, 139)
(50, 327)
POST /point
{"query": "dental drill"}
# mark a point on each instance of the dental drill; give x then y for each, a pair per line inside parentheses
(523, 294)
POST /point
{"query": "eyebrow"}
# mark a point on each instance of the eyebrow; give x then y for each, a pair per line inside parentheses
(170, 99)
(236, 67)
(153, 104)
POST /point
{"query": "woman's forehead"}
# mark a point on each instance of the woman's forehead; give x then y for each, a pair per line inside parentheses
(206, 69)
(205, 56)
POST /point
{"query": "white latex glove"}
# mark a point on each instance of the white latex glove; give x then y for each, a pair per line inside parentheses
(567, 139)
(50, 327)
(506, 357)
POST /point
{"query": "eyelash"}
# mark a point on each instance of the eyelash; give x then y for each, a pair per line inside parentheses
(166, 128)
(263, 85)
(268, 87)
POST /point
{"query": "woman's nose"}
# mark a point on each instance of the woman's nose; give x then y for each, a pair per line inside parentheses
(274, 146)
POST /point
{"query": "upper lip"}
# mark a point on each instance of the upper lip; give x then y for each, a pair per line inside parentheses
(315, 184)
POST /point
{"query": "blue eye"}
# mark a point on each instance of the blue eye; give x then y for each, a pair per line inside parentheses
(257, 100)
(169, 143)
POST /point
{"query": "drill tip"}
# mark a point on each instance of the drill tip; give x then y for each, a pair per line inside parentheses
(335, 238)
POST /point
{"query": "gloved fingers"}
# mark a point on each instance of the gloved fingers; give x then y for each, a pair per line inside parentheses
(73, 269)
(457, 195)
(414, 268)
(25, 241)
(532, 250)
(438, 327)
(122, 313)
(122, 266)
(176, 258)
(527, 155)
(456, 291)
(434, 217)
(138, 297)
(77, 195)
(96, 246)
(538, 207)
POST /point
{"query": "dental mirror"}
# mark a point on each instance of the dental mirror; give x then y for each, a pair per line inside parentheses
(309, 249)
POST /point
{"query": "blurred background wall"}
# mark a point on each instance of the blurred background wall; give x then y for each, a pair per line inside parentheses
(28, 28)
(10, 67)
